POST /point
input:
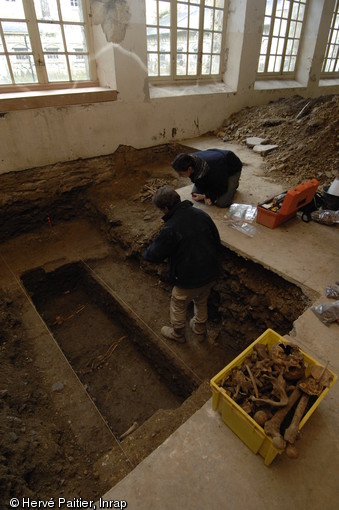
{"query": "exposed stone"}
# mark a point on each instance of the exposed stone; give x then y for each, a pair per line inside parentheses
(252, 141)
(264, 149)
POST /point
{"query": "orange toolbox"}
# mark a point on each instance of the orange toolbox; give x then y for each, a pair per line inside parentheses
(284, 206)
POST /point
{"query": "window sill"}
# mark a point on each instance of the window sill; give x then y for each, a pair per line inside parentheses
(329, 82)
(48, 98)
(277, 84)
(162, 91)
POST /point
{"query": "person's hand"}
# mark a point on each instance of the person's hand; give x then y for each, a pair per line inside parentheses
(208, 201)
(198, 197)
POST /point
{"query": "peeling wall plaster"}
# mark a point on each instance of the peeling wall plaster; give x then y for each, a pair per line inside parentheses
(113, 16)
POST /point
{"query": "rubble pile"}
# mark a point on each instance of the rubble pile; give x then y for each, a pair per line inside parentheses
(306, 132)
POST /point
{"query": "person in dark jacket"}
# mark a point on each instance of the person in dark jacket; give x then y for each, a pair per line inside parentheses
(190, 241)
(215, 174)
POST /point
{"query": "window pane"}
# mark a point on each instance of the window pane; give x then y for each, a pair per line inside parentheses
(181, 64)
(217, 43)
(51, 38)
(286, 10)
(164, 14)
(193, 41)
(152, 39)
(182, 40)
(75, 38)
(16, 36)
(23, 68)
(210, 3)
(192, 65)
(264, 43)
(71, 10)
(57, 69)
(291, 32)
(218, 21)
(1, 46)
(46, 10)
(151, 12)
(206, 64)
(208, 19)
(267, 25)
(269, 7)
(261, 66)
(219, 3)
(79, 67)
(12, 10)
(194, 16)
(207, 42)
(280, 46)
(215, 64)
(276, 28)
(271, 64)
(277, 64)
(286, 64)
(165, 64)
(5, 77)
(182, 16)
(164, 39)
(274, 45)
(152, 64)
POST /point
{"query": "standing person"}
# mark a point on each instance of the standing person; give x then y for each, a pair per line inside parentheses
(215, 174)
(190, 241)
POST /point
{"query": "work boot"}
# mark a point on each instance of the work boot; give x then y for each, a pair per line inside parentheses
(177, 335)
(198, 329)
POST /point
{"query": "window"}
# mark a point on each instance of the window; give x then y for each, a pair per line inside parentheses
(331, 60)
(281, 37)
(184, 38)
(44, 42)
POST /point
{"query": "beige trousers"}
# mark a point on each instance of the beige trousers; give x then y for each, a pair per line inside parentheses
(180, 300)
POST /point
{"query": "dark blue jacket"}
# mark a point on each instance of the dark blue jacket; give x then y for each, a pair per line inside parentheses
(212, 178)
(191, 243)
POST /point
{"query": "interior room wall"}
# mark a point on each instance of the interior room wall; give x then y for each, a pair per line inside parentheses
(139, 118)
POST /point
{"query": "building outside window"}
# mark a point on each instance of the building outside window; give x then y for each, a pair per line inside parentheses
(330, 66)
(41, 42)
(281, 38)
(184, 39)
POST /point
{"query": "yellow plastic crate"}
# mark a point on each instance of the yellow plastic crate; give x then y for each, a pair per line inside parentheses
(247, 429)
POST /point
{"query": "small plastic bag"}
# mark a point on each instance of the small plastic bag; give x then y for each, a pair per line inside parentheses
(243, 227)
(327, 312)
(242, 212)
(326, 217)
(332, 291)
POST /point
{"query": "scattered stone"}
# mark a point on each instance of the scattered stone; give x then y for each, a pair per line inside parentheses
(264, 149)
(272, 122)
(58, 386)
(252, 141)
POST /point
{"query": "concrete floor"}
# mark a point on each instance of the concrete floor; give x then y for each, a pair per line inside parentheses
(204, 464)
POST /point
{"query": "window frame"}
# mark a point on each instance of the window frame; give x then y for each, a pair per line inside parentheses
(281, 74)
(173, 78)
(335, 20)
(40, 56)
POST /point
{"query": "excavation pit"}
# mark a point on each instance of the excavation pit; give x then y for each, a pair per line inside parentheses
(124, 370)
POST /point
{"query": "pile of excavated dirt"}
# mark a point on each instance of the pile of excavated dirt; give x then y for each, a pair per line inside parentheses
(305, 130)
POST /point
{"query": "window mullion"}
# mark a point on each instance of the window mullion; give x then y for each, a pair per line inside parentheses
(173, 39)
(270, 36)
(286, 37)
(64, 40)
(201, 37)
(33, 31)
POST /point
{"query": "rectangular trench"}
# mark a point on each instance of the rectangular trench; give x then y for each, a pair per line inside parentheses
(127, 372)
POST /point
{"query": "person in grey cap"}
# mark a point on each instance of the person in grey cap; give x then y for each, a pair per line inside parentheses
(190, 241)
(215, 174)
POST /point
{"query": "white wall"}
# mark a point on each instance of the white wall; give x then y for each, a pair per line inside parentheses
(37, 137)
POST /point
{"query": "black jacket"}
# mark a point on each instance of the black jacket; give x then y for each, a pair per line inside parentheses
(212, 169)
(191, 243)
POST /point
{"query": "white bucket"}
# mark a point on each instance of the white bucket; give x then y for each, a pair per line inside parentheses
(334, 188)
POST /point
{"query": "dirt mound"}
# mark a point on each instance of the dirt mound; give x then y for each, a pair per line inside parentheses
(305, 130)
